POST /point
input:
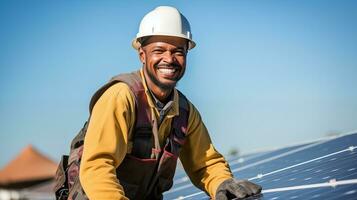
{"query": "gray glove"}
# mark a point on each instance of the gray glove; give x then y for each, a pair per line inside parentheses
(231, 188)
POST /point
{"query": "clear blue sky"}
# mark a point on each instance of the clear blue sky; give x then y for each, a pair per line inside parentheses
(264, 74)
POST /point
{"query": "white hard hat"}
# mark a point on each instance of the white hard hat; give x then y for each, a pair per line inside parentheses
(164, 21)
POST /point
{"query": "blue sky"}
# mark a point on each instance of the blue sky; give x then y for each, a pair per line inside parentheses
(264, 74)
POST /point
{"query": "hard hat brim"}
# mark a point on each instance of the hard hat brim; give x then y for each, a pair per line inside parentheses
(136, 44)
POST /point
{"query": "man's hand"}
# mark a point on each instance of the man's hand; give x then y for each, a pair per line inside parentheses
(231, 188)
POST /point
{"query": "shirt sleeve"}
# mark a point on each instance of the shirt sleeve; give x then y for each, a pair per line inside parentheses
(203, 164)
(106, 142)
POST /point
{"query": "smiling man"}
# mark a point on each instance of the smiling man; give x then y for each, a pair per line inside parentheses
(141, 124)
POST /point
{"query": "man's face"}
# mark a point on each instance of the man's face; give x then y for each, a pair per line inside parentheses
(164, 60)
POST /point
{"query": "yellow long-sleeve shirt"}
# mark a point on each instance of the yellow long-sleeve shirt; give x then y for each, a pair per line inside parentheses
(108, 140)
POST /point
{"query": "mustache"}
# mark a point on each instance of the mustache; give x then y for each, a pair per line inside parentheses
(171, 65)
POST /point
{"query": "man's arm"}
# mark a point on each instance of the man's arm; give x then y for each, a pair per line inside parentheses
(206, 168)
(106, 142)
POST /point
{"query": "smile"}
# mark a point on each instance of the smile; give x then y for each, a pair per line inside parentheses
(167, 71)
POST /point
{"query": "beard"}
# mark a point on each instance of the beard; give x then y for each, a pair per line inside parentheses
(157, 82)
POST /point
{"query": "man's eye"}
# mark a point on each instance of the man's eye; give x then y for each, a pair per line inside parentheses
(157, 51)
(180, 53)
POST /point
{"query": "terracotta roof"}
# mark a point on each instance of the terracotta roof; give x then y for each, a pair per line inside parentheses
(29, 165)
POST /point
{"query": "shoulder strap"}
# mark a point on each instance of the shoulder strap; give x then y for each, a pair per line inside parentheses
(180, 122)
(133, 80)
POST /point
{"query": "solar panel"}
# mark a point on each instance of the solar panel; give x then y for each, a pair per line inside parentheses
(325, 169)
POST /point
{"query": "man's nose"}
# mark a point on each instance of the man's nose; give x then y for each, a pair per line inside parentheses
(168, 57)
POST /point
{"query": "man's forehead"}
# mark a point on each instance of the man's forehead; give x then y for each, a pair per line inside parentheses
(163, 40)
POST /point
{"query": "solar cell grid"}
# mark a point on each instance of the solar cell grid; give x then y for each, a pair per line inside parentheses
(320, 170)
(182, 182)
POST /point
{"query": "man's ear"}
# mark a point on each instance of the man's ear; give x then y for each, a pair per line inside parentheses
(142, 55)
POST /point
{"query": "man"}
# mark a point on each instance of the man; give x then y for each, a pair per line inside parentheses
(124, 159)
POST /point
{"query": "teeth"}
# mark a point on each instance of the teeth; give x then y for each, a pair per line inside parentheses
(167, 71)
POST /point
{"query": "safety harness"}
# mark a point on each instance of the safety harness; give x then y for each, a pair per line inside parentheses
(148, 170)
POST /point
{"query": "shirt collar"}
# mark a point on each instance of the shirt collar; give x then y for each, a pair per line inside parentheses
(158, 103)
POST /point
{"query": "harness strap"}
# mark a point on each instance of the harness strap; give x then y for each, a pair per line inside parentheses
(133, 80)
(144, 131)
